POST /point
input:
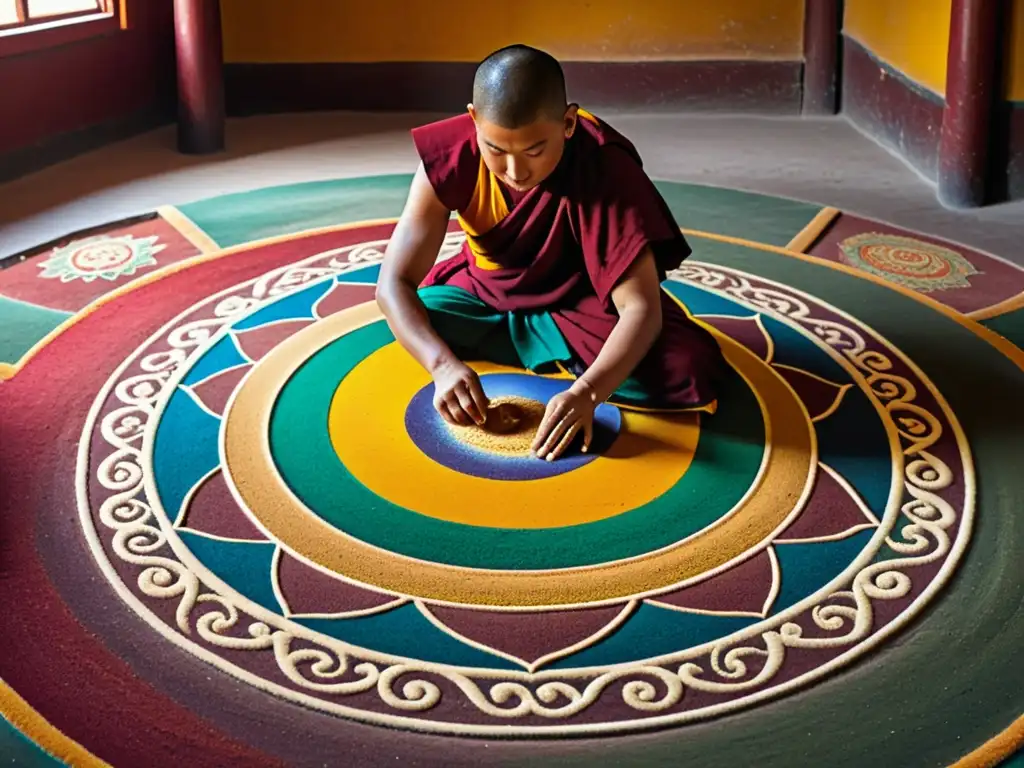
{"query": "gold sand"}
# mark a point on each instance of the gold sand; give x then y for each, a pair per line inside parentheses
(511, 425)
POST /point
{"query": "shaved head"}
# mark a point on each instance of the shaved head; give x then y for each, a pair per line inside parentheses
(518, 85)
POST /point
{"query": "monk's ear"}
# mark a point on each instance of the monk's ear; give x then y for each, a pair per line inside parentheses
(471, 110)
(571, 118)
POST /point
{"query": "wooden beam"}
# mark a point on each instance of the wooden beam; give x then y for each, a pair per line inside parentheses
(823, 24)
(197, 33)
(972, 84)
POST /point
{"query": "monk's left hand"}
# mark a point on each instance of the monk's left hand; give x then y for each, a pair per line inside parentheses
(568, 413)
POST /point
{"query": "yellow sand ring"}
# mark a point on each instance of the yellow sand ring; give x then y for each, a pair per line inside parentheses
(785, 481)
(390, 378)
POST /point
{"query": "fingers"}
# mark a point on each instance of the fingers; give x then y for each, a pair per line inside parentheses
(565, 442)
(588, 435)
(460, 399)
(553, 437)
(557, 432)
(458, 405)
(451, 410)
(442, 408)
(554, 413)
(472, 398)
(476, 392)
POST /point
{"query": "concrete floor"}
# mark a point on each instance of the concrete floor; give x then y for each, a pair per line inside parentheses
(819, 160)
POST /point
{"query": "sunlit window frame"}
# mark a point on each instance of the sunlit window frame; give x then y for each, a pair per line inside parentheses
(31, 35)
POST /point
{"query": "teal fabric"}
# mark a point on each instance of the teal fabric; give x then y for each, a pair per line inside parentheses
(523, 339)
(528, 340)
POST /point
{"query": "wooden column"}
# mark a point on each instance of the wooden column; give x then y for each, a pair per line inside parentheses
(823, 24)
(972, 81)
(197, 35)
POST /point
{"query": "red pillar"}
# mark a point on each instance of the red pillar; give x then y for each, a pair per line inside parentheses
(823, 24)
(197, 35)
(972, 79)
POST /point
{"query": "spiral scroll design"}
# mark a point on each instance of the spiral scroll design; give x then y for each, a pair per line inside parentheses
(332, 671)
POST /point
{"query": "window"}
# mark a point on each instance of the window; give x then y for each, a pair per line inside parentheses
(15, 14)
(27, 26)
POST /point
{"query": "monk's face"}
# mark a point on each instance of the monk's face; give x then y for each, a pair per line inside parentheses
(523, 157)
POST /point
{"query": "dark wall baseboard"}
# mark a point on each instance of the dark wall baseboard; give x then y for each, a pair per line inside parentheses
(772, 87)
(1015, 150)
(887, 105)
(64, 146)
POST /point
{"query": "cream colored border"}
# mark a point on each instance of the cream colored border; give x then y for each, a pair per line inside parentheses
(188, 229)
(807, 236)
(1004, 307)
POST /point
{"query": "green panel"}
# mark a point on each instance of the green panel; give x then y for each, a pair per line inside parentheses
(1010, 326)
(245, 216)
(22, 325)
(764, 219)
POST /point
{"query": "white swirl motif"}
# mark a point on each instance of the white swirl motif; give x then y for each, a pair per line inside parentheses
(316, 664)
(925, 538)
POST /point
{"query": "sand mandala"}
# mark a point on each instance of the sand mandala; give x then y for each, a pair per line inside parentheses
(265, 482)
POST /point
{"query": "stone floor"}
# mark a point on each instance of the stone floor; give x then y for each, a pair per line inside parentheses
(819, 160)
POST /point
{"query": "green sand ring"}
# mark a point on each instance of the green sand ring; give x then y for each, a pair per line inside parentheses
(727, 461)
(348, 705)
(312, 452)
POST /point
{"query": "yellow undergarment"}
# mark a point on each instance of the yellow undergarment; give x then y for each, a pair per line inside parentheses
(487, 208)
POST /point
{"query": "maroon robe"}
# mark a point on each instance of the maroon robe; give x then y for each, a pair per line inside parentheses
(566, 243)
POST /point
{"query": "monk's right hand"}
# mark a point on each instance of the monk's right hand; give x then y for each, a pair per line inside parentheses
(458, 395)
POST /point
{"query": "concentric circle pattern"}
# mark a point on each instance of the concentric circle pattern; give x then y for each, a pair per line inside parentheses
(270, 488)
(440, 442)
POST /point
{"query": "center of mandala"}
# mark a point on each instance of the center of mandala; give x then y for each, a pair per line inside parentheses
(510, 427)
(500, 449)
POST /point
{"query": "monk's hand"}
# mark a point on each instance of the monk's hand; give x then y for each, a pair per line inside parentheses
(567, 415)
(458, 395)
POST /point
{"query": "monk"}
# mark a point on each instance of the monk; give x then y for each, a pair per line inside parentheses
(567, 243)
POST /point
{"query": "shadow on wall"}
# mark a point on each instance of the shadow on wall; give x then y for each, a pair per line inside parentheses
(894, 84)
(731, 55)
(66, 99)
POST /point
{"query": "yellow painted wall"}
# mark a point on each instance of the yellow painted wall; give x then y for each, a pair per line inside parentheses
(1015, 56)
(910, 35)
(468, 30)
